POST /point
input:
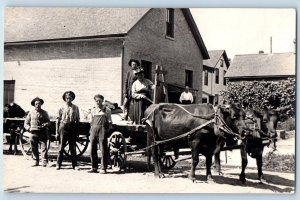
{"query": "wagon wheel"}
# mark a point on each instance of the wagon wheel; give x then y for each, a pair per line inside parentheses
(117, 150)
(82, 142)
(24, 142)
(168, 161)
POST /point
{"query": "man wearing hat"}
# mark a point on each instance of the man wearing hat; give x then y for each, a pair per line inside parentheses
(36, 122)
(130, 78)
(66, 127)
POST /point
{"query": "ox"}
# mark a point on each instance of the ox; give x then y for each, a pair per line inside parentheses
(12, 110)
(167, 121)
(262, 127)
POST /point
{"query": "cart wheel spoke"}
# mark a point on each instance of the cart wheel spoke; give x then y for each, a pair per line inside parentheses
(167, 161)
(80, 142)
(78, 148)
(24, 142)
(117, 149)
(81, 145)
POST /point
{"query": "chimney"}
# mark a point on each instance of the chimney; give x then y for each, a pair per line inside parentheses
(261, 52)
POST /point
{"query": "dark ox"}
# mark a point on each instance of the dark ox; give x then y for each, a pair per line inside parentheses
(262, 129)
(167, 121)
(12, 110)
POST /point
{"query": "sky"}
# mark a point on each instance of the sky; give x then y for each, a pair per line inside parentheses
(246, 31)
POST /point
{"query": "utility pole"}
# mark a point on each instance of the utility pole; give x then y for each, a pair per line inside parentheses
(271, 44)
(295, 46)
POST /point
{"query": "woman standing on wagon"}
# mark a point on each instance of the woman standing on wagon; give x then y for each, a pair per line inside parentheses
(66, 127)
(100, 120)
(141, 89)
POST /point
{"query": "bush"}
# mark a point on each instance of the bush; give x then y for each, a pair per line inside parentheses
(256, 93)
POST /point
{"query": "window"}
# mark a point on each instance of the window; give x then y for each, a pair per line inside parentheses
(170, 22)
(206, 77)
(224, 80)
(204, 100)
(9, 91)
(147, 66)
(217, 76)
(189, 78)
(221, 63)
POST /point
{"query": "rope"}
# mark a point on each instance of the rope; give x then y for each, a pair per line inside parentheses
(226, 128)
(180, 136)
(149, 100)
(198, 116)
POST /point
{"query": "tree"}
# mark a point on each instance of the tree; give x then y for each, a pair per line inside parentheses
(258, 94)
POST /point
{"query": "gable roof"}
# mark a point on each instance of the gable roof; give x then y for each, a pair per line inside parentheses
(262, 65)
(24, 24)
(215, 56)
(37, 23)
(190, 20)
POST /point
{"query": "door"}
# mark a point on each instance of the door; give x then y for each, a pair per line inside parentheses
(9, 91)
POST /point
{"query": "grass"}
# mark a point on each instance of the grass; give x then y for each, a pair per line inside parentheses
(279, 163)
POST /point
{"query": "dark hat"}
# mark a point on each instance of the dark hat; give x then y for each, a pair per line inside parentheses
(37, 99)
(68, 92)
(133, 60)
(138, 70)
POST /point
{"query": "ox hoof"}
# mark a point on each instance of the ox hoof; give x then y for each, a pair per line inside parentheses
(220, 173)
(262, 180)
(159, 175)
(210, 179)
(243, 179)
(193, 178)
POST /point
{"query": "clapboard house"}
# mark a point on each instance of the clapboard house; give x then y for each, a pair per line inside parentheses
(50, 50)
(262, 67)
(214, 70)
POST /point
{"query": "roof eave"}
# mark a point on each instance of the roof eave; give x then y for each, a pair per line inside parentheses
(190, 20)
(208, 67)
(98, 37)
(266, 76)
(226, 59)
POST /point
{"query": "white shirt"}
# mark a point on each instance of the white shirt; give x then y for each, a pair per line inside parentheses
(141, 85)
(186, 96)
(98, 111)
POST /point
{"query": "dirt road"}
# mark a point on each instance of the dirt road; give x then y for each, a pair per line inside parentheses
(18, 176)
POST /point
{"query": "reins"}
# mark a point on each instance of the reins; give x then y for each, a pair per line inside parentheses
(198, 116)
(180, 136)
(217, 120)
(224, 127)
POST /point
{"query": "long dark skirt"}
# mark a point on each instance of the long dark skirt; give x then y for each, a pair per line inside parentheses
(139, 107)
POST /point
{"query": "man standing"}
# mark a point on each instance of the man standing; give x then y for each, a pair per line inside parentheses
(66, 127)
(186, 97)
(100, 120)
(36, 122)
(130, 78)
